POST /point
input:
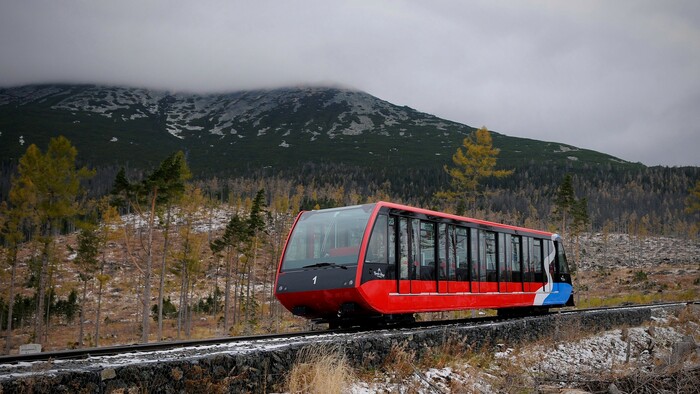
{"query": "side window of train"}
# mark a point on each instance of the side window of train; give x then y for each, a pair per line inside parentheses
(427, 251)
(503, 266)
(474, 254)
(392, 246)
(537, 260)
(403, 248)
(414, 248)
(487, 256)
(527, 253)
(461, 257)
(444, 241)
(409, 257)
(515, 258)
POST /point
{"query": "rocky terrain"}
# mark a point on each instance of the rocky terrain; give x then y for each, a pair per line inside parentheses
(601, 251)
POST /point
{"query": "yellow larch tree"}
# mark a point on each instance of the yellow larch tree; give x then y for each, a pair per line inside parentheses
(474, 161)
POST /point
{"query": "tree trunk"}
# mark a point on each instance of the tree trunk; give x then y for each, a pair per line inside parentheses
(99, 303)
(82, 314)
(246, 305)
(41, 292)
(161, 288)
(188, 311)
(236, 287)
(227, 290)
(251, 290)
(181, 311)
(145, 319)
(8, 339)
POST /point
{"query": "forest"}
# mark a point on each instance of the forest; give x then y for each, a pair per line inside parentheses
(169, 247)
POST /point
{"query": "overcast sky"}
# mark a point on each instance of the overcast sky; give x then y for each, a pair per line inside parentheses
(621, 77)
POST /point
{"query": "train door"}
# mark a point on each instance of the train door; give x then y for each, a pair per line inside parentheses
(404, 266)
(458, 260)
(445, 266)
(503, 265)
(536, 271)
(392, 249)
(412, 260)
(426, 264)
(488, 271)
(474, 271)
(527, 275)
(515, 260)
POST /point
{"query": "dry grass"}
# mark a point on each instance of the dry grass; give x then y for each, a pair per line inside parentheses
(400, 362)
(322, 370)
(449, 353)
(612, 287)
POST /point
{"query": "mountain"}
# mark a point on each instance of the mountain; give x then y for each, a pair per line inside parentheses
(282, 129)
(333, 141)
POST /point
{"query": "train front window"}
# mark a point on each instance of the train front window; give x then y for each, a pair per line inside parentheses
(377, 250)
(327, 238)
(562, 264)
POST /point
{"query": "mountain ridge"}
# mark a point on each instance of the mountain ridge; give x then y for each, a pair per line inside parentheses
(279, 128)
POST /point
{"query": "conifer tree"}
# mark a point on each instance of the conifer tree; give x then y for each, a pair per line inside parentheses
(110, 221)
(11, 231)
(49, 188)
(189, 254)
(565, 202)
(232, 243)
(167, 181)
(177, 164)
(87, 264)
(471, 166)
(256, 229)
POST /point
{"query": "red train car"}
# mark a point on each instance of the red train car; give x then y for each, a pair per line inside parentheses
(387, 261)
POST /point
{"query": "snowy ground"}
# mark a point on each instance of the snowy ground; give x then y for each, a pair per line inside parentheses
(554, 366)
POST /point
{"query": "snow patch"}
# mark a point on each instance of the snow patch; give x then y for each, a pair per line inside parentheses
(565, 149)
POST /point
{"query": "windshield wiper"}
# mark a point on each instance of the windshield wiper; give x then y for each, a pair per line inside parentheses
(325, 264)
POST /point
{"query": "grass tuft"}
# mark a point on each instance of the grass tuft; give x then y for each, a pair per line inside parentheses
(322, 370)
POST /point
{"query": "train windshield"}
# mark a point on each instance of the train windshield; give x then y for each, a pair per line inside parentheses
(330, 237)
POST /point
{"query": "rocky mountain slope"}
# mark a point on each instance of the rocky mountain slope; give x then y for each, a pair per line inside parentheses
(279, 128)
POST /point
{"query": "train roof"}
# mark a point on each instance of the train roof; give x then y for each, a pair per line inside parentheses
(429, 212)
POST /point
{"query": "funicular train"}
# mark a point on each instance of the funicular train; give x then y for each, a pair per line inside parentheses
(383, 262)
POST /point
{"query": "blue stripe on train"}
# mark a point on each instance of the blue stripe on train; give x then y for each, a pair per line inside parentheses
(560, 294)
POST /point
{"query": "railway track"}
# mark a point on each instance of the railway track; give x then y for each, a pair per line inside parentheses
(135, 349)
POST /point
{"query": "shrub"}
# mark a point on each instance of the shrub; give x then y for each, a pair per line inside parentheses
(640, 276)
(169, 310)
(320, 370)
(67, 308)
(211, 304)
